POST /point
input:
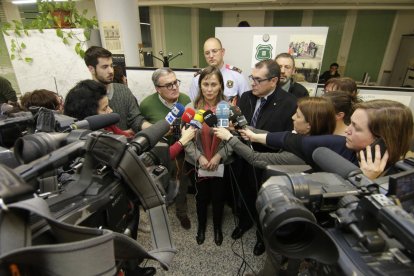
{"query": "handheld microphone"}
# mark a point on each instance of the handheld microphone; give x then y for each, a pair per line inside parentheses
(238, 118)
(176, 111)
(210, 119)
(188, 115)
(96, 122)
(222, 113)
(198, 120)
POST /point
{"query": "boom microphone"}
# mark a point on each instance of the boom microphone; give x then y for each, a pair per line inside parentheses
(332, 162)
(147, 138)
(210, 119)
(96, 122)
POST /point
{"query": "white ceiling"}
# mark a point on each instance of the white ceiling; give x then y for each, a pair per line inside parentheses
(280, 4)
(284, 4)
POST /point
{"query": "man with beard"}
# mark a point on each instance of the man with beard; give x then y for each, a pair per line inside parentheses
(287, 68)
(121, 99)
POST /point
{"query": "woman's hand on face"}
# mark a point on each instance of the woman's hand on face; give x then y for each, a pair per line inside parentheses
(214, 162)
(222, 133)
(372, 168)
(187, 135)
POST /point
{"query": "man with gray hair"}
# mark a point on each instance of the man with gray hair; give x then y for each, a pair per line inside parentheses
(154, 108)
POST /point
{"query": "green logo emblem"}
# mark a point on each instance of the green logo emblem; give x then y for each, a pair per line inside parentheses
(264, 52)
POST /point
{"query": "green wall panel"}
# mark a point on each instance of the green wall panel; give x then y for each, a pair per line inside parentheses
(178, 35)
(287, 18)
(369, 42)
(335, 20)
(208, 21)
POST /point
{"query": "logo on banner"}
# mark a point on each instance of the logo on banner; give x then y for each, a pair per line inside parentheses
(263, 52)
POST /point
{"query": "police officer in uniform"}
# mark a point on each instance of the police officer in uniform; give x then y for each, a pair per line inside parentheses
(234, 82)
(287, 68)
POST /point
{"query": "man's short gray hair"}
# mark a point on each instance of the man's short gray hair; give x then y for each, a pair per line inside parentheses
(159, 73)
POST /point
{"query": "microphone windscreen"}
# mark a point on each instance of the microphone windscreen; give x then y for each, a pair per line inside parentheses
(177, 110)
(223, 110)
(199, 116)
(154, 133)
(99, 121)
(188, 115)
(6, 108)
(209, 118)
(330, 161)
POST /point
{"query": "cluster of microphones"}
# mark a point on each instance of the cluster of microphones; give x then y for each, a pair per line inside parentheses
(224, 114)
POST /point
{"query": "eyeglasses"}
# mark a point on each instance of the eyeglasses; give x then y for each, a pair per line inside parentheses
(258, 80)
(212, 51)
(170, 86)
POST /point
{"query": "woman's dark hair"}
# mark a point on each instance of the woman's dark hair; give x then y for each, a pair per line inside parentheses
(319, 113)
(40, 98)
(83, 99)
(343, 101)
(119, 72)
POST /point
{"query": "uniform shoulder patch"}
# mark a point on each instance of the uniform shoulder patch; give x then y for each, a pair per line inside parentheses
(234, 68)
(198, 72)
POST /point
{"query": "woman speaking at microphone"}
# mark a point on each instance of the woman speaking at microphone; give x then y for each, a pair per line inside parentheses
(206, 153)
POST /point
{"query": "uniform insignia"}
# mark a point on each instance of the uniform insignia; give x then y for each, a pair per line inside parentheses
(230, 84)
(234, 68)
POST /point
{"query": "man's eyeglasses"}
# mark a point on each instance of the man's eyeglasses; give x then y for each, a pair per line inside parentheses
(170, 86)
(259, 80)
(212, 51)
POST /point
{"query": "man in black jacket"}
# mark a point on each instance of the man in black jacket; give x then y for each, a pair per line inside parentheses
(267, 106)
(287, 68)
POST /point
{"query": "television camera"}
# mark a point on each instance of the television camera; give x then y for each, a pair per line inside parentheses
(95, 179)
(337, 223)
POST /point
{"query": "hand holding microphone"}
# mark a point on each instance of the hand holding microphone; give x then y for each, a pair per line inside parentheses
(222, 133)
(187, 134)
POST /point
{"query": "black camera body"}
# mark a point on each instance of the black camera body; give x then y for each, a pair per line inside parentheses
(343, 228)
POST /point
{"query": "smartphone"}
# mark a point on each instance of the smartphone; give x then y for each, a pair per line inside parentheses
(383, 148)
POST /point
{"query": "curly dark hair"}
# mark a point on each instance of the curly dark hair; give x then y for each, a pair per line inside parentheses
(83, 99)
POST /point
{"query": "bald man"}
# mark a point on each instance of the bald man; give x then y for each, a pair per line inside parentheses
(234, 82)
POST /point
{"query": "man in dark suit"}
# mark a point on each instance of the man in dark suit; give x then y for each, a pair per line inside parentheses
(268, 107)
(287, 68)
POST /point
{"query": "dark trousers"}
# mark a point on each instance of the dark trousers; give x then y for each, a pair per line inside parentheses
(210, 189)
(249, 184)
